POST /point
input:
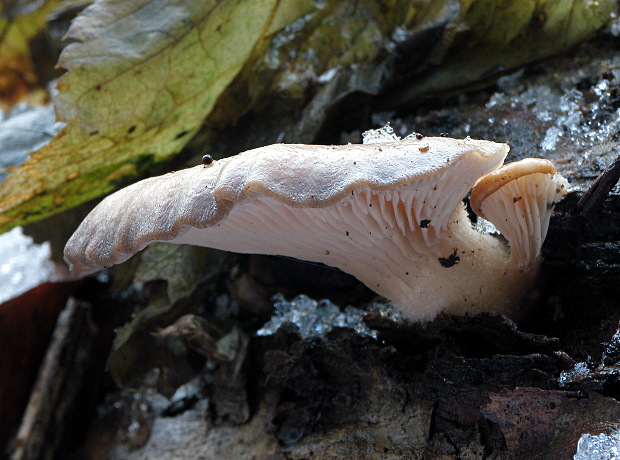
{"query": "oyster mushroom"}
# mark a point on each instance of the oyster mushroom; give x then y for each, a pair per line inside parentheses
(390, 214)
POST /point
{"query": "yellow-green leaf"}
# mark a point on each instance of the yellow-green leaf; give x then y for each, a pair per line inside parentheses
(495, 35)
(19, 23)
(141, 78)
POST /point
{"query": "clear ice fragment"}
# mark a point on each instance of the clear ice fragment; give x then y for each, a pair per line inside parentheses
(598, 447)
(314, 318)
(378, 136)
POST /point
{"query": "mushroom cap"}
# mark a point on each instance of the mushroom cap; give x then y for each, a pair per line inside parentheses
(193, 205)
(492, 182)
(518, 199)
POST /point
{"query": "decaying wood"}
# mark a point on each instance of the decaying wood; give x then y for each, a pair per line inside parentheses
(59, 386)
(468, 387)
(224, 383)
(600, 188)
(582, 275)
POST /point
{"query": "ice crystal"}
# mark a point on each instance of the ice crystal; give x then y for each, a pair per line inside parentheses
(314, 318)
(599, 447)
(378, 136)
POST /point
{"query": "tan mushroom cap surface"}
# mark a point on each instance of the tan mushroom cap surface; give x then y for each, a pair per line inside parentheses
(519, 198)
(492, 182)
(164, 208)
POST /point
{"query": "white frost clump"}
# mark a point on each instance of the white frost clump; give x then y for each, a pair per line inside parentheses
(579, 369)
(552, 136)
(600, 447)
(561, 107)
(23, 264)
(381, 135)
(314, 318)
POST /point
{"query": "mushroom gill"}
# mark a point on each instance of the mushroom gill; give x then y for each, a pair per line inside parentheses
(390, 214)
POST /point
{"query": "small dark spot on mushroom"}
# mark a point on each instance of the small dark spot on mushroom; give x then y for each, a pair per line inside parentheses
(419, 136)
(355, 162)
(218, 28)
(131, 129)
(181, 134)
(435, 187)
(407, 273)
(424, 223)
(380, 150)
(207, 159)
(98, 87)
(370, 205)
(94, 133)
(347, 232)
(517, 198)
(449, 261)
(443, 134)
(326, 252)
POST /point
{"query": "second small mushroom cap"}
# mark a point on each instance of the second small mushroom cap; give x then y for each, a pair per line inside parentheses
(518, 198)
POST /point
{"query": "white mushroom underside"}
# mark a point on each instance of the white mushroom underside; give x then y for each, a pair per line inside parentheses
(379, 237)
(521, 210)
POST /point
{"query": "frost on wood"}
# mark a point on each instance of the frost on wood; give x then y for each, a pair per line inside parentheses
(314, 318)
(598, 447)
